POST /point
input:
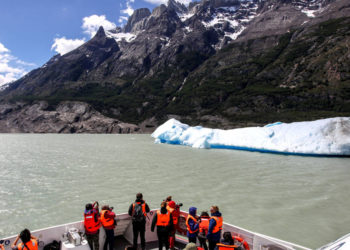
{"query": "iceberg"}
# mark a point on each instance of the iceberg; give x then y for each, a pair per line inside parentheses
(326, 137)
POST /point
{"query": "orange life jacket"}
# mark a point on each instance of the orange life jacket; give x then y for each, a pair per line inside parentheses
(163, 220)
(30, 245)
(204, 225)
(188, 225)
(225, 247)
(143, 206)
(218, 225)
(106, 222)
(91, 226)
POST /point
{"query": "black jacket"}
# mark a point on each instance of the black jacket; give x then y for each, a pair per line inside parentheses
(131, 207)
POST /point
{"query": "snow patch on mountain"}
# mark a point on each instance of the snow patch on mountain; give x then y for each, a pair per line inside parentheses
(120, 36)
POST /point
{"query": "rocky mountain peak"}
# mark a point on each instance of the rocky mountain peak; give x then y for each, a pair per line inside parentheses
(137, 16)
(100, 33)
(176, 6)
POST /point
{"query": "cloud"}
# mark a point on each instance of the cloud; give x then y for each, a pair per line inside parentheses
(90, 26)
(129, 10)
(12, 68)
(92, 23)
(158, 2)
(63, 45)
(122, 19)
(3, 49)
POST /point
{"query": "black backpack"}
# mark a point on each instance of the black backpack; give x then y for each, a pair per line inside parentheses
(53, 245)
(138, 215)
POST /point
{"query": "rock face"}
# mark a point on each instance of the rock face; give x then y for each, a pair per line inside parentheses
(68, 117)
(136, 17)
(217, 62)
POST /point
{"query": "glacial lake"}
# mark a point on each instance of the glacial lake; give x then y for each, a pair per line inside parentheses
(46, 180)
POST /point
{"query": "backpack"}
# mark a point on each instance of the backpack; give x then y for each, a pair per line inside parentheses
(53, 246)
(138, 215)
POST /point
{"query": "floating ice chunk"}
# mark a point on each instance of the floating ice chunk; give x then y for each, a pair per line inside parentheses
(322, 137)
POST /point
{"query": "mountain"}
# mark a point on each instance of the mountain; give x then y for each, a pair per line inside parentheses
(221, 63)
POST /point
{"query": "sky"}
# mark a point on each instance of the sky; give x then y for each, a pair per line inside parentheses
(32, 31)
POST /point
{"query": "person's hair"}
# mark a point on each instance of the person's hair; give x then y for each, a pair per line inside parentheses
(139, 196)
(204, 213)
(105, 207)
(163, 204)
(168, 198)
(130, 247)
(215, 208)
(88, 206)
(25, 235)
(228, 238)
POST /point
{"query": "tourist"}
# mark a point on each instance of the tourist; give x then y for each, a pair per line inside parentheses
(192, 225)
(28, 241)
(215, 227)
(138, 210)
(174, 209)
(203, 229)
(92, 225)
(108, 222)
(164, 221)
(227, 243)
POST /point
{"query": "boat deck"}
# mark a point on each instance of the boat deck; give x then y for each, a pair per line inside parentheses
(124, 235)
(120, 243)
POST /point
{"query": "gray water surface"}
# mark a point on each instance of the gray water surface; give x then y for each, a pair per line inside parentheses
(47, 179)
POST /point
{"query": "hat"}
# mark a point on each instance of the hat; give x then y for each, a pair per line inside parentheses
(191, 246)
(171, 204)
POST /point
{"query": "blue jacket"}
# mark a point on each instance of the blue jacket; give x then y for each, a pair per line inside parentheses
(194, 226)
(212, 223)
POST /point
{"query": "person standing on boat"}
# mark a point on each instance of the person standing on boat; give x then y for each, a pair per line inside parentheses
(92, 225)
(203, 230)
(174, 210)
(138, 210)
(192, 225)
(108, 222)
(164, 221)
(215, 227)
(29, 242)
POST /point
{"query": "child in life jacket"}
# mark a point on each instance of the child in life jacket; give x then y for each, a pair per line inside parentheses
(203, 229)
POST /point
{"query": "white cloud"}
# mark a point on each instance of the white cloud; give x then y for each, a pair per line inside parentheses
(25, 63)
(129, 10)
(158, 2)
(122, 19)
(12, 68)
(3, 49)
(63, 45)
(6, 78)
(92, 23)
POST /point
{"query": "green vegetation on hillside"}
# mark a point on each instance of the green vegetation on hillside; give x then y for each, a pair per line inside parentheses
(304, 75)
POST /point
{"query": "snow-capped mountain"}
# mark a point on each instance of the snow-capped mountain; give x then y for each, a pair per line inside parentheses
(217, 47)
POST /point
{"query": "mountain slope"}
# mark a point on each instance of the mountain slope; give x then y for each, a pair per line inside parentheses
(229, 62)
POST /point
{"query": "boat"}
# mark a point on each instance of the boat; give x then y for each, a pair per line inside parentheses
(124, 236)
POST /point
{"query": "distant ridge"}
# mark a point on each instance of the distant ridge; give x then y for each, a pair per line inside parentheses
(222, 63)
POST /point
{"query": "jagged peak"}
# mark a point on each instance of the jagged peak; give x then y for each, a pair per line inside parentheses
(177, 6)
(137, 16)
(158, 11)
(100, 32)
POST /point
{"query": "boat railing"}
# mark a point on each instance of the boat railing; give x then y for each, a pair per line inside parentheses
(124, 228)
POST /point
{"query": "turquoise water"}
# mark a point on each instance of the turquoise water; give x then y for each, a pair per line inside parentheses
(47, 180)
